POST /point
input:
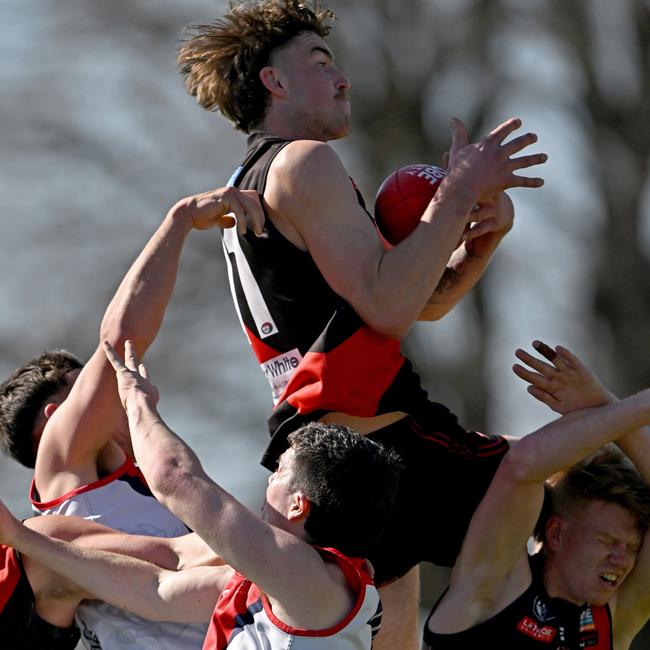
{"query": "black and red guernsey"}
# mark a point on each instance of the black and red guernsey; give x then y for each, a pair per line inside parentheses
(534, 621)
(314, 349)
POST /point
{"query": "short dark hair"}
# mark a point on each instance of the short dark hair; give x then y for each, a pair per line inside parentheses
(609, 476)
(220, 61)
(352, 483)
(23, 396)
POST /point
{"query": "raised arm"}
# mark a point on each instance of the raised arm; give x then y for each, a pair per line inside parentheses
(313, 203)
(493, 220)
(85, 422)
(565, 384)
(143, 588)
(291, 572)
(492, 566)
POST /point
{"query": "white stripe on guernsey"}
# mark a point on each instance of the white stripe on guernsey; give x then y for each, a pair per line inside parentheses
(256, 303)
(231, 282)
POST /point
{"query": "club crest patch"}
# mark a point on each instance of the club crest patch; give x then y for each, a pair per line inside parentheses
(541, 610)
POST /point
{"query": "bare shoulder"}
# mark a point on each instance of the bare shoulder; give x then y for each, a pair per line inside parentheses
(321, 600)
(301, 156)
(307, 172)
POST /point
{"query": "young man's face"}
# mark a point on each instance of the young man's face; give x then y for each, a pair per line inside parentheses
(596, 551)
(279, 491)
(317, 91)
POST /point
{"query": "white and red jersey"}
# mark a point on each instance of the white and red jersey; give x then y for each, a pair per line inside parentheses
(122, 500)
(243, 619)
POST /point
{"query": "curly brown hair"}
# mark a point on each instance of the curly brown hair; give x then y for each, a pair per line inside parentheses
(220, 61)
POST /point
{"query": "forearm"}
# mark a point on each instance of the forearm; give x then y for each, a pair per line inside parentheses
(167, 462)
(169, 553)
(137, 309)
(568, 439)
(407, 276)
(465, 268)
(120, 580)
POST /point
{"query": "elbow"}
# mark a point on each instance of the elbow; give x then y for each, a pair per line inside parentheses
(519, 465)
(386, 319)
(392, 329)
(171, 482)
(114, 330)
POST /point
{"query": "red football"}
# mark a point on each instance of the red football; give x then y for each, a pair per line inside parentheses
(403, 197)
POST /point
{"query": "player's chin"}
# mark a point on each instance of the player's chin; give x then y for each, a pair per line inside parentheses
(339, 130)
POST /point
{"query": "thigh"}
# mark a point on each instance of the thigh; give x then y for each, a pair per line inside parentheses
(446, 473)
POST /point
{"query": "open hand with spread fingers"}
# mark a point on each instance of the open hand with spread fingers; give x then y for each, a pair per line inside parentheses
(488, 165)
(561, 381)
(132, 377)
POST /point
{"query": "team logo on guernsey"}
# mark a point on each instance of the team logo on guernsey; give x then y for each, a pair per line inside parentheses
(543, 633)
(541, 610)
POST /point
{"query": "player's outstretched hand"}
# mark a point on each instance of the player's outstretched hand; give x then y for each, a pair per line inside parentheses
(225, 207)
(564, 383)
(132, 377)
(488, 166)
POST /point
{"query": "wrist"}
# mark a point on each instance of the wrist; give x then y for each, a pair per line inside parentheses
(454, 187)
(181, 214)
(141, 410)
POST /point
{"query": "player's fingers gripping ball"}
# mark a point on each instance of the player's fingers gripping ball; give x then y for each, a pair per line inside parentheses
(403, 197)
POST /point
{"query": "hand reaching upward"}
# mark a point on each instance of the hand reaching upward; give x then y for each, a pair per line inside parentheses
(564, 384)
(132, 377)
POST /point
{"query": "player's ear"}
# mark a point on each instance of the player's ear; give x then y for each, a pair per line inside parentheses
(49, 409)
(300, 506)
(553, 531)
(270, 77)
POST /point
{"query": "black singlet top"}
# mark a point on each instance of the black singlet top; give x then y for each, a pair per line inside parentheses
(534, 621)
(316, 352)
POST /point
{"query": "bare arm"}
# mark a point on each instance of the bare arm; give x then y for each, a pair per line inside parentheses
(493, 221)
(85, 422)
(287, 569)
(138, 586)
(488, 574)
(565, 384)
(312, 202)
(173, 553)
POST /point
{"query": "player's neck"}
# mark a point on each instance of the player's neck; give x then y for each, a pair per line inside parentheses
(287, 129)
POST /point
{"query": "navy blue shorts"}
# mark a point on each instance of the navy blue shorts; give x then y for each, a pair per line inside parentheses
(447, 470)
